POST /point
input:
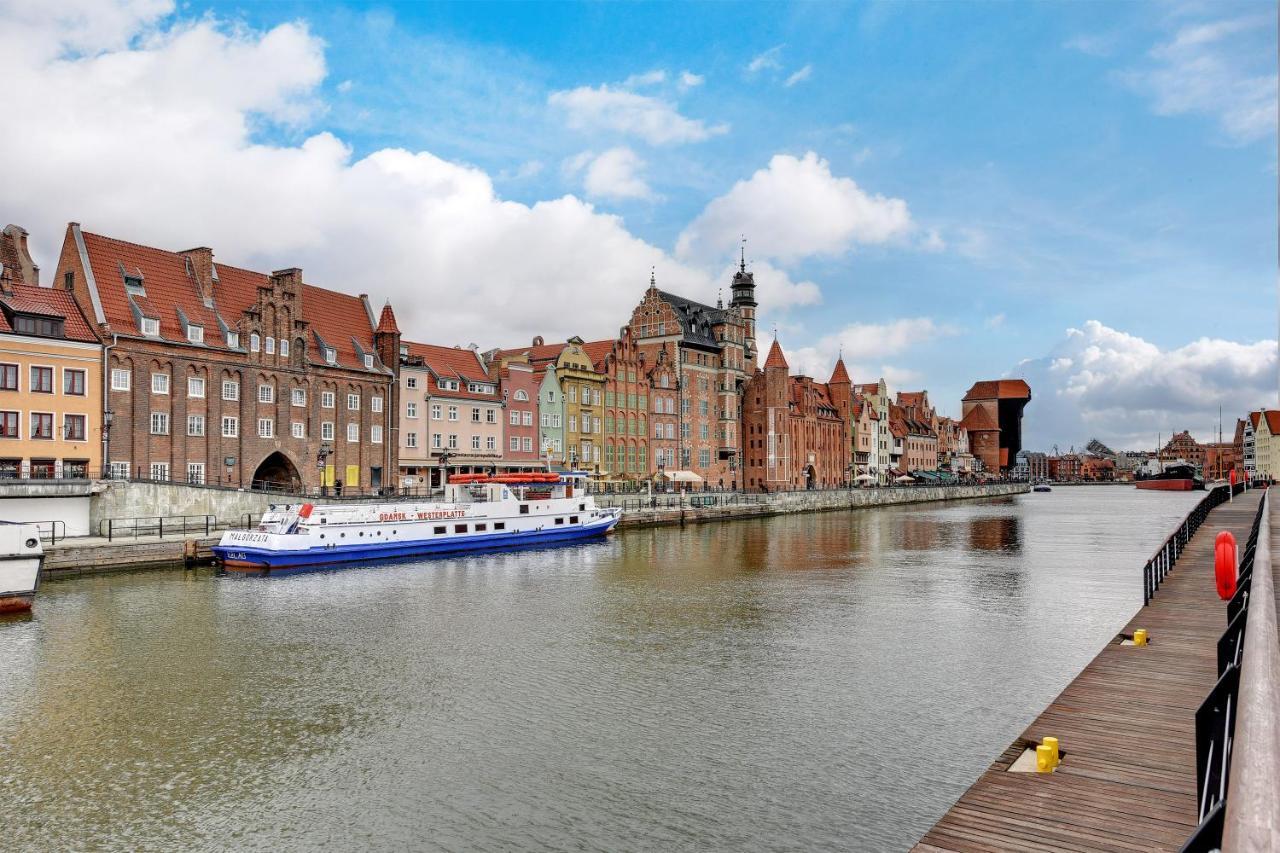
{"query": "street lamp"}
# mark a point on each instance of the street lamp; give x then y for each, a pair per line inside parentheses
(322, 456)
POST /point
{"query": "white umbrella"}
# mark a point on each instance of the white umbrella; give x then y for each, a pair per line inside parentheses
(865, 478)
(905, 478)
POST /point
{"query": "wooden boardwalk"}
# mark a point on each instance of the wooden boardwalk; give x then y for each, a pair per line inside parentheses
(1126, 726)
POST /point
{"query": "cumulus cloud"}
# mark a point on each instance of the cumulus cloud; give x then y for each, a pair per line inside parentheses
(689, 80)
(154, 140)
(799, 76)
(865, 346)
(1105, 383)
(1224, 69)
(648, 78)
(614, 174)
(767, 59)
(656, 121)
(800, 209)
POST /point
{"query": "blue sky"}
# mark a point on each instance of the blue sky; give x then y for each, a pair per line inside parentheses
(942, 190)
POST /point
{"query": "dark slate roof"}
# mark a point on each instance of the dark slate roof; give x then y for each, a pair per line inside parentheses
(696, 319)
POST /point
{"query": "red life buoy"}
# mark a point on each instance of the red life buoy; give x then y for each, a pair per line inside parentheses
(305, 512)
(1224, 564)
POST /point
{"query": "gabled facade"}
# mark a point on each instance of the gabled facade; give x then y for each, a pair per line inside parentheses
(626, 406)
(518, 385)
(225, 375)
(880, 457)
(663, 378)
(50, 374)
(460, 410)
(583, 388)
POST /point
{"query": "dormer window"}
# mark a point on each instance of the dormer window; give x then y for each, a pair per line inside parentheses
(150, 326)
(330, 355)
(195, 334)
(368, 362)
(133, 285)
(233, 340)
(479, 388)
(43, 327)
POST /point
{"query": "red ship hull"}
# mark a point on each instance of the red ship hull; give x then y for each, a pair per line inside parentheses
(1172, 485)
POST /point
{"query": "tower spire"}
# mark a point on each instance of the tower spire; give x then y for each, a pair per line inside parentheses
(742, 263)
(653, 276)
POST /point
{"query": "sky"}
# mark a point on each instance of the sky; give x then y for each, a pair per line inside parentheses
(1080, 194)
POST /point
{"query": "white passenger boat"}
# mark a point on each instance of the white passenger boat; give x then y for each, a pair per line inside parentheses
(479, 512)
(21, 556)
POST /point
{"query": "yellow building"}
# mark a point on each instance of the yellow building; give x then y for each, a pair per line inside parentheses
(1266, 438)
(583, 389)
(50, 375)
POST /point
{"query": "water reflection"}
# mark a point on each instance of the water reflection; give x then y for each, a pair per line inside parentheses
(761, 684)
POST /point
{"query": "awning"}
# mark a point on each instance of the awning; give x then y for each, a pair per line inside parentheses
(678, 477)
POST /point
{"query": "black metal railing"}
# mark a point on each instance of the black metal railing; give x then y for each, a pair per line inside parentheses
(156, 525)
(1162, 561)
(51, 531)
(1230, 767)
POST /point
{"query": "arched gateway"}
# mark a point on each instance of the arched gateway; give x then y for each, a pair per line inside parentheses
(277, 473)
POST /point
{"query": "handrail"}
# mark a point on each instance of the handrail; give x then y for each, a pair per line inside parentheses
(1162, 561)
(154, 525)
(52, 535)
(1253, 807)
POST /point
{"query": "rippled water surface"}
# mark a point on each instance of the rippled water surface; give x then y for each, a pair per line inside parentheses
(826, 681)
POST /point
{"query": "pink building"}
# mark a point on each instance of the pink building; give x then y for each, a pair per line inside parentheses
(518, 386)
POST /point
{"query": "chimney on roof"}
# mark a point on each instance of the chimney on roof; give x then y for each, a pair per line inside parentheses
(200, 266)
(27, 272)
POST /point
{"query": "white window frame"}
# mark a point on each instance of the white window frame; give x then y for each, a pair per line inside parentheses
(230, 426)
(375, 404)
(230, 389)
(353, 402)
(437, 440)
(284, 347)
(266, 427)
(298, 429)
(255, 342)
(195, 334)
(514, 442)
(195, 387)
(437, 412)
(195, 473)
(159, 471)
(233, 339)
(159, 383)
(515, 419)
(353, 433)
(298, 397)
(195, 425)
(270, 345)
(330, 355)
(368, 362)
(159, 423)
(121, 380)
(266, 392)
(453, 413)
(328, 399)
(475, 442)
(150, 327)
(326, 431)
(410, 409)
(410, 439)
(375, 434)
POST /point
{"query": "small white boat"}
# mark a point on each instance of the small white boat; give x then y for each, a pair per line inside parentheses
(21, 556)
(479, 513)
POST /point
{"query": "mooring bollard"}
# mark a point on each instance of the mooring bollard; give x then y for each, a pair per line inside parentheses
(1140, 637)
(1044, 758)
(1052, 743)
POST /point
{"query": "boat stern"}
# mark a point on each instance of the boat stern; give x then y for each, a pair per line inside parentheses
(21, 557)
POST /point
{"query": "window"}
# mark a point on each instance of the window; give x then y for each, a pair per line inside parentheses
(453, 413)
(299, 397)
(266, 428)
(368, 362)
(375, 404)
(326, 431)
(499, 525)
(42, 380)
(555, 422)
(298, 429)
(195, 386)
(150, 326)
(375, 434)
(447, 384)
(73, 382)
(159, 423)
(119, 470)
(546, 419)
(521, 396)
(284, 347)
(573, 423)
(271, 345)
(436, 440)
(515, 418)
(410, 439)
(326, 399)
(230, 389)
(255, 342)
(436, 412)
(195, 334)
(8, 425)
(475, 416)
(233, 340)
(453, 441)
(410, 410)
(657, 430)
(195, 424)
(480, 388)
(704, 458)
(475, 442)
(353, 402)
(73, 427)
(330, 355)
(573, 393)
(438, 531)
(353, 432)
(491, 443)
(9, 377)
(526, 444)
(515, 442)
(230, 427)
(411, 382)
(160, 470)
(159, 383)
(195, 472)
(459, 528)
(266, 393)
(526, 418)
(481, 528)
(491, 416)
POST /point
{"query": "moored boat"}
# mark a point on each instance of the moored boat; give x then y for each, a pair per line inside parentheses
(21, 556)
(479, 512)
(1176, 476)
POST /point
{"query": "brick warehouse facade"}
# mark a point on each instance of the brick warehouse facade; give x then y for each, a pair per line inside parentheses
(220, 374)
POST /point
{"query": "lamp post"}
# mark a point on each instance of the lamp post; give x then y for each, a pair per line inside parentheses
(322, 457)
(108, 417)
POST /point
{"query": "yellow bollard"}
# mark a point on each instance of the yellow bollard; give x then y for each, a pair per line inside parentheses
(1052, 743)
(1044, 759)
(1140, 637)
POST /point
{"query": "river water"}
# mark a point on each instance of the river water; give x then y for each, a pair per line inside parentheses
(829, 681)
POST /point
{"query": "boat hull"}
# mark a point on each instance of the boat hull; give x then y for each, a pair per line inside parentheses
(246, 558)
(19, 578)
(1170, 485)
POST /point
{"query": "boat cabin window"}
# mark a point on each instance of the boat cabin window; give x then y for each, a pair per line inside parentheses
(438, 531)
(524, 509)
(573, 519)
(559, 521)
(481, 528)
(459, 528)
(499, 525)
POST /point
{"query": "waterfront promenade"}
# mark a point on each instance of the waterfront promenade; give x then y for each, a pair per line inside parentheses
(1126, 726)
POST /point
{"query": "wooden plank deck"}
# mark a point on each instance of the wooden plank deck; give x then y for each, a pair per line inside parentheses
(1126, 726)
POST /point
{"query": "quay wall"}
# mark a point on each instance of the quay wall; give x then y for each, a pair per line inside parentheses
(119, 499)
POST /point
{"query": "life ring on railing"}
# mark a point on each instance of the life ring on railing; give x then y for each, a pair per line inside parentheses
(1224, 564)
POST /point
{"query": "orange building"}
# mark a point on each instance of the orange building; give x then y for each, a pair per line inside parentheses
(50, 374)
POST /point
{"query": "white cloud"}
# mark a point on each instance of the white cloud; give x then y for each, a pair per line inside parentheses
(648, 78)
(795, 208)
(1224, 69)
(614, 174)
(995, 321)
(153, 141)
(1104, 383)
(768, 59)
(689, 80)
(654, 120)
(864, 347)
(799, 76)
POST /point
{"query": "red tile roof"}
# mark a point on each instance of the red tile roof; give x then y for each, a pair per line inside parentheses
(387, 322)
(1253, 419)
(455, 363)
(839, 374)
(48, 302)
(597, 350)
(979, 419)
(540, 353)
(775, 359)
(1273, 421)
(1002, 389)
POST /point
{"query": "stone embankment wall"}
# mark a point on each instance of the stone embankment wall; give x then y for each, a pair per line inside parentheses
(124, 500)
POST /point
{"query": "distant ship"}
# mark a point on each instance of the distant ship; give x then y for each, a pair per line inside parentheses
(480, 512)
(1176, 476)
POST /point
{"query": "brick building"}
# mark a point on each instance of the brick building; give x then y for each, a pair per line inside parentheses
(221, 374)
(518, 383)
(1183, 446)
(992, 415)
(626, 406)
(664, 395)
(794, 434)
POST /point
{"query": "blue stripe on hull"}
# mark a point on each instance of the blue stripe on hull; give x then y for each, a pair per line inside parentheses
(265, 559)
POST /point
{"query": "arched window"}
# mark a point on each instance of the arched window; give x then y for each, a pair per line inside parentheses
(521, 396)
(255, 343)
